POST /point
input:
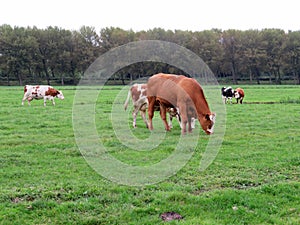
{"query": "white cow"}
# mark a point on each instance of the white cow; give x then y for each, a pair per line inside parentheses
(45, 92)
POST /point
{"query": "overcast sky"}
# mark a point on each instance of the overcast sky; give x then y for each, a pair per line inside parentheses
(144, 15)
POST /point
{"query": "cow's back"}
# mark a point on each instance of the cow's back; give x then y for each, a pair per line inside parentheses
(240, 91)
(138, 91)
(28, 88)
(174, 88)
(37, 91)
(164, 87)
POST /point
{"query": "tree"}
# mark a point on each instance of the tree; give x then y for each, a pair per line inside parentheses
(61, 56)
(272, 42)
(16, 49)
(114, 37)
(252, 55)
(291, 50)
(230, 41)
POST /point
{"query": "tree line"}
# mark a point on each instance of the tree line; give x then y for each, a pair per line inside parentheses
(58, 56)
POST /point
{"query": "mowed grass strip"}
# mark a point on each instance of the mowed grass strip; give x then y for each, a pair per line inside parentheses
(254, 179)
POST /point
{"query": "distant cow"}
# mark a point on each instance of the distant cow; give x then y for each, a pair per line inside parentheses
(227, 94)
(239, 94)
(184, 93)
(45, 92)
(138, 94)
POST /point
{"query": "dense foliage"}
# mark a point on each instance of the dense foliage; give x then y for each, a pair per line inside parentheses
(60, 56)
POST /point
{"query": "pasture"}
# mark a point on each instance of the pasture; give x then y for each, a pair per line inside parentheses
(255, 178)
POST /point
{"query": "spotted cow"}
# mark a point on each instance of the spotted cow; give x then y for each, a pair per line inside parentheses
(239, 94)
(45, 92)
(227, 94)
(138, 94)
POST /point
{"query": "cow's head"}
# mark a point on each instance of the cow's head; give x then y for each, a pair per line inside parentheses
(223, 89)
(172, 111)
(207, 123)
(59, 95)
(237, 94)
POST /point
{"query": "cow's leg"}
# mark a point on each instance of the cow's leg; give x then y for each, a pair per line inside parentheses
(170, 121)
(143, 115)
(193, 122)
(163, 115)
(134, 120)
(190, 129)
(53, 102)
(45, 99)
(134, 115)
(241, 100)
(183, 116)
(190, 118)
(151, 111)
(179, 120)
(183, 125)
(23, 99)
(224, 99)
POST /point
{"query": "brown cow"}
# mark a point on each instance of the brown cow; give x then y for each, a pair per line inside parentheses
(239, 94)
(184, 93)
(138, 94)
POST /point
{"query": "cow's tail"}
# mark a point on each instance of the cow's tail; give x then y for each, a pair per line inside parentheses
(127, 100)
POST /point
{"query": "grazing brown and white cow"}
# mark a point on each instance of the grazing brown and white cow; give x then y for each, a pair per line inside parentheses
(184, 93)
(138, 94)
(45, 92)
(239, 94)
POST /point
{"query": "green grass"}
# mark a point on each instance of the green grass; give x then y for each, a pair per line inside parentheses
(255, 178)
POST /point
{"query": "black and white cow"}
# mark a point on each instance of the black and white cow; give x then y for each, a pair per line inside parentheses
(227, 94)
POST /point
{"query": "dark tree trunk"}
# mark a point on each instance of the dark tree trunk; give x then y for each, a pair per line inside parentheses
(8, 79)
(46, 72)
(257, 74)
(233, 69)
(19, 78)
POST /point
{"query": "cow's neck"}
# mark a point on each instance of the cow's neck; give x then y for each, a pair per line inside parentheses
(202, 107)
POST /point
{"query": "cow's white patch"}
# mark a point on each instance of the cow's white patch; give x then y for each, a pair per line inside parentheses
(212, 117)
(139, 87)
(193, 122)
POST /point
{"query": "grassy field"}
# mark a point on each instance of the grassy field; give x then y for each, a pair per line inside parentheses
(255, 178)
